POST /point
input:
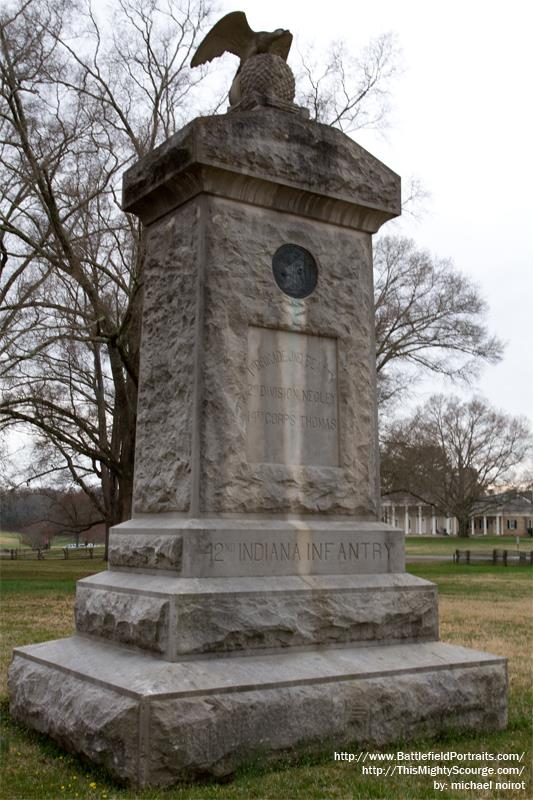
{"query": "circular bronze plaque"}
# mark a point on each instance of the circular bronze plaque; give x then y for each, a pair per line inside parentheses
(295, 270)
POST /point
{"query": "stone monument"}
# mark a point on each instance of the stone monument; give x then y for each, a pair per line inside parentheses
(255, 602)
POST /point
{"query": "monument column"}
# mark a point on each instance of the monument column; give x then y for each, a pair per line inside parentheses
(255, 530)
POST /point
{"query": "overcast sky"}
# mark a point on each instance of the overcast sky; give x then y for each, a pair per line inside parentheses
(462, 122)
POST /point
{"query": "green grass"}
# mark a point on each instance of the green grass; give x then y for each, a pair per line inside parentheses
(47, 577)
(446, 545)
(10, 540)
(486, 607)
(477, 581)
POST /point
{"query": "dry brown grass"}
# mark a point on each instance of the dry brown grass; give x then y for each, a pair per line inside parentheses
(32, 619)
(501, 627)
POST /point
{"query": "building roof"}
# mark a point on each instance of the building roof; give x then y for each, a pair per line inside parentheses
(505, 502)
(404, 498)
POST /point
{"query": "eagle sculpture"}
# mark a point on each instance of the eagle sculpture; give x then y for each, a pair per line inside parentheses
(232, 34)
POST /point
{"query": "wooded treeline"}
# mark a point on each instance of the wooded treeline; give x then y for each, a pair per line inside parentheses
(40, 514)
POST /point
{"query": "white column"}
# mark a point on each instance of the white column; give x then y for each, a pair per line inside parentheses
(394, 515)
(498, 524)
(472, 526)
(406, 520)
(433, 522)
(420, 520)
(484, 525)
(447, 524)
(454, 526)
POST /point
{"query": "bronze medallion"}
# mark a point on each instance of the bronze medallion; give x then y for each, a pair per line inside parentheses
(295, 270)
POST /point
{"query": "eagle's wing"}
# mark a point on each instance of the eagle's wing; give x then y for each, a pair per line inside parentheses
(231, 33)
(282, 45)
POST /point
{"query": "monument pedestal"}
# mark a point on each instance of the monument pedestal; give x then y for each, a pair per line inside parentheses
(152, 722)
(254, 603)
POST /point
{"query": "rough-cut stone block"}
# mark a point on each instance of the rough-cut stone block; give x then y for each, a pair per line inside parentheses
(153, 723)
(224, 623)
(87, 717)
(165, 408)
(222, 615)
(138, 619)
(146, 552)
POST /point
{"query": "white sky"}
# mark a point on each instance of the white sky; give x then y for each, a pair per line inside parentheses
(462, 122)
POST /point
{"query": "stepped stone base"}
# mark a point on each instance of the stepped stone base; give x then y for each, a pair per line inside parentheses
(175, 617)
(151, 722)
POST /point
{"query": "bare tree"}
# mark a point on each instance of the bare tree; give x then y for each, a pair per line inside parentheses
(450, 453)
(47, 512)
(429, 317)
(80, 99)
(347, 91)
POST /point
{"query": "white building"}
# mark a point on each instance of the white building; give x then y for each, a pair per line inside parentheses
(509, 513)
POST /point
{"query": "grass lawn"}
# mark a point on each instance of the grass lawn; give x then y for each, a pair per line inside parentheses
(10, 540)
(446, 545)
(486, 607)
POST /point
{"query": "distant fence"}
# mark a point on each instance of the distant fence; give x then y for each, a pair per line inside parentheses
(497, 556)
(45, 553)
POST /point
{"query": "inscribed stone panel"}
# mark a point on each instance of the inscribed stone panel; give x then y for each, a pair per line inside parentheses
(292, 415)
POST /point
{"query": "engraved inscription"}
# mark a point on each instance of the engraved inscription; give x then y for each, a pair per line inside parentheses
(278, 551)
(291, 398)
(301, 551)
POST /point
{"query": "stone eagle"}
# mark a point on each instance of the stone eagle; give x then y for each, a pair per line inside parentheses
(232, 34)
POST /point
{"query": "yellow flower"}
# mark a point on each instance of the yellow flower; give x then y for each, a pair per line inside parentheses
(92, 785)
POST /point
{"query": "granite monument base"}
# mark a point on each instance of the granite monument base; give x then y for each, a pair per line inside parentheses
(189, 617)
(151, 722)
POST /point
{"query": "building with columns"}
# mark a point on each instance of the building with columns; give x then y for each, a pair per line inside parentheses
(506, 514)
(509, 513)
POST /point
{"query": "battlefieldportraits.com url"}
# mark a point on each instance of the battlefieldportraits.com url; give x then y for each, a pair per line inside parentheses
(469, 772)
